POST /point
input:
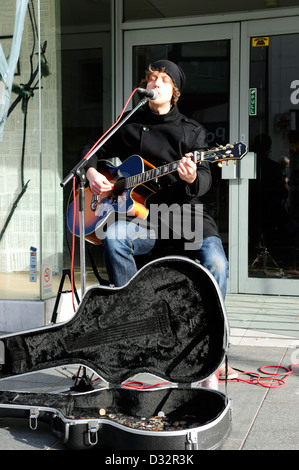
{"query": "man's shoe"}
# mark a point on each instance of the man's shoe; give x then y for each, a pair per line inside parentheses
(231, 373)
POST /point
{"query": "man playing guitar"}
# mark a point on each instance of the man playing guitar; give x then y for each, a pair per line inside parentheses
(161, 134)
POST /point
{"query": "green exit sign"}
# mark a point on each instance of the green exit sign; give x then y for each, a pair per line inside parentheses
(252, 101)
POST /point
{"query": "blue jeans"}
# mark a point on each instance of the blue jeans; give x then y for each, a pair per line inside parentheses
(125, 240)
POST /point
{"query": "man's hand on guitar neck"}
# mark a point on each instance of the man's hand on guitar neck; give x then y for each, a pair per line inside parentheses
(98, 183)
(187, 169)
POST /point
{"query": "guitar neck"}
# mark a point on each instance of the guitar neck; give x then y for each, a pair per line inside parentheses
(154, 173)
(219, 154)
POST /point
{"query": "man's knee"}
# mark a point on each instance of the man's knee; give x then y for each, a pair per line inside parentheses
(219, 264)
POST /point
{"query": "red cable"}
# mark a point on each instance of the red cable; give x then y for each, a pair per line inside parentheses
(136, 385)
(267, 382)
(74, 192)
(288, 371)
(141, 386)
(255, 380)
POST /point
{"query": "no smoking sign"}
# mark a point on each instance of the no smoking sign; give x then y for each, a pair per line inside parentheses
(47, 275)
(47, 281)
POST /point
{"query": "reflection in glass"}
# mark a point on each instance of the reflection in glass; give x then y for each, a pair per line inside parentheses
(274, 137)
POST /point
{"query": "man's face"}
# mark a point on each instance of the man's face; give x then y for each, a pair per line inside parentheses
(163, 84)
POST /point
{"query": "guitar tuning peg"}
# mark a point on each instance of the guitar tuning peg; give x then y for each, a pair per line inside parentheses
(219, 164)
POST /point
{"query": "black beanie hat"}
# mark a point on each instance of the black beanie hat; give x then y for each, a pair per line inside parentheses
(174, 71)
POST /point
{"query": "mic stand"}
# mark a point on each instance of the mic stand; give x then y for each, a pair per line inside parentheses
(79, 173)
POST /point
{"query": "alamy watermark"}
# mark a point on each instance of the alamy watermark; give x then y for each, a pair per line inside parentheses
(2, 353)
(295, 94)
(166, 222)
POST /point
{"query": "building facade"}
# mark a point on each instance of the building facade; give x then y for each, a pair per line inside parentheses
(77, 65)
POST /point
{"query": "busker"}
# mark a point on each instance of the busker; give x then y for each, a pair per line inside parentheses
(160, 134)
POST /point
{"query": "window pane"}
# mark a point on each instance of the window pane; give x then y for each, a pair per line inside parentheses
(274, 136)
(41, 138)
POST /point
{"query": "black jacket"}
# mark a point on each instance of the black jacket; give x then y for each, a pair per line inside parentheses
(160, 139)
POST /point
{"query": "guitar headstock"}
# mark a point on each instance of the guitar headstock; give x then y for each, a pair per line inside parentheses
(223, 153)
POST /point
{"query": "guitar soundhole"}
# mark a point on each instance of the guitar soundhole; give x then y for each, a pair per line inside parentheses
(119, 187)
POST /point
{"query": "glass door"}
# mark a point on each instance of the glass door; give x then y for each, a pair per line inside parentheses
(209, 57)
(269, 192)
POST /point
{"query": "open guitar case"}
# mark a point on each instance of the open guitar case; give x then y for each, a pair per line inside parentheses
(168, 321)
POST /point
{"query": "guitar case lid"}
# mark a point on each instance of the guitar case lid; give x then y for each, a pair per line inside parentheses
(169, 320)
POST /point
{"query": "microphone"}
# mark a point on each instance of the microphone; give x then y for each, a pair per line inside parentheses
(151, 94)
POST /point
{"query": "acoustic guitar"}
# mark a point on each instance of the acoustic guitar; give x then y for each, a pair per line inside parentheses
(131, 191)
